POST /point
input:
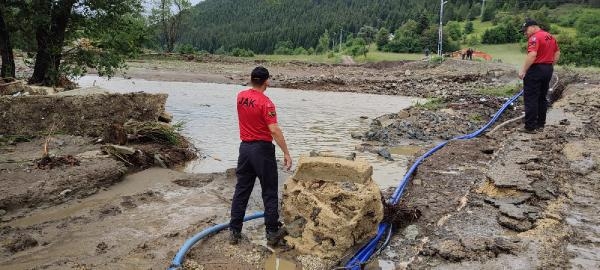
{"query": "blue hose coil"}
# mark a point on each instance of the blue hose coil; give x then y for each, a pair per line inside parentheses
(178, 260)
(364, 254)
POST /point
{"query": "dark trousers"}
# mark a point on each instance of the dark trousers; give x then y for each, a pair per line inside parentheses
(536, 84)
(256, 159)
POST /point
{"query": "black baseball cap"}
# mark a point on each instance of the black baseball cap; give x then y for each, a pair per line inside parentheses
(528, 22)
(259, 74)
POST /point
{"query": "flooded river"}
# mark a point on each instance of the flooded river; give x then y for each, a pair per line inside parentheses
(311, 120)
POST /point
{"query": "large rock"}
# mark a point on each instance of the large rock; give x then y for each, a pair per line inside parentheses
(330, 205)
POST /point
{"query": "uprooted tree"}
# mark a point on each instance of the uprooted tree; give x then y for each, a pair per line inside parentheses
(70, 36)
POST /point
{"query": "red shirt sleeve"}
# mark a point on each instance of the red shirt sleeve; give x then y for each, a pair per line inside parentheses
(533, 45)
(269, 113)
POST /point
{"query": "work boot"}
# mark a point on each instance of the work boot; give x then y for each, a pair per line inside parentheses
(234, 237)
(274, 237)
(526, 130)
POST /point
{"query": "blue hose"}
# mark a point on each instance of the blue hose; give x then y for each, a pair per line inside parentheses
(364, 254)
(178, 260)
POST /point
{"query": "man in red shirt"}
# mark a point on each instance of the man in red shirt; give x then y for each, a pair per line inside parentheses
(258, 127)
(542, 54)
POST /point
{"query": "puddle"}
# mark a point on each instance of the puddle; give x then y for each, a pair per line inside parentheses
(131, 185)
(276, 263)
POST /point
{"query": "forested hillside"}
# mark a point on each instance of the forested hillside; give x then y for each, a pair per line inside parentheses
(259, 25)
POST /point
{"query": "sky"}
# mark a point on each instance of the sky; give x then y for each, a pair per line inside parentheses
(148, 3)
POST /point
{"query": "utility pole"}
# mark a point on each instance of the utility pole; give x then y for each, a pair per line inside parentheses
(482, 7)
(441, 34)
(341, 40)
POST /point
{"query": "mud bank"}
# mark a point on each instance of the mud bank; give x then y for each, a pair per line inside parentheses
(408, 78)
(64, 147)
(82, 115)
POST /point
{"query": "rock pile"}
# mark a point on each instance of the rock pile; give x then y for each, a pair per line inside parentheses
(330, 205)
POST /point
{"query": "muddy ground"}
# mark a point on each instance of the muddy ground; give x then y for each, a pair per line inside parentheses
(504, 200)
(408, 78)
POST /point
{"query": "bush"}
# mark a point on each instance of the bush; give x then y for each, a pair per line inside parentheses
(454, 30)
(382, 38)
(284, 48)
(588, 24)
(221, 51)
(581, 51)
(469, 27)
(489, 13)
(237, 52)
(502, 33)
(404, 44)
(473, 40)
(300, 51)
(186, 49)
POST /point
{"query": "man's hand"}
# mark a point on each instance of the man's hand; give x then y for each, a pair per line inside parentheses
(287, 162)
(280, 140)
(522, 74)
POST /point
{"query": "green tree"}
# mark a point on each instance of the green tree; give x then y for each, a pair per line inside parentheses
(284, 48)
(71, 36)
(469, 27)
(357, 46)
(323, 45)
(463, 12)
(169, 15)
(409, 28)
(588, 24)
(454, 30)
(382, 38)
(423, 23)
(367, 33)
(580, 51)
(489, 12)
(474, 11)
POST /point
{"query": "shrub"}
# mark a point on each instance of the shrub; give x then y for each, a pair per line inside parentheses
(237, 52)
(186, 49)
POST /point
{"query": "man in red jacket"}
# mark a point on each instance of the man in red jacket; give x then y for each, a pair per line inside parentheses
(542, 54)
(258, 128)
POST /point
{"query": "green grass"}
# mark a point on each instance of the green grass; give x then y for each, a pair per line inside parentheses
(479, 27)
(500, 91)
(507, 53)
(431, 104)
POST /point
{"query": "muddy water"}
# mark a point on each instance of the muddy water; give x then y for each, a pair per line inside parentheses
(311, 120)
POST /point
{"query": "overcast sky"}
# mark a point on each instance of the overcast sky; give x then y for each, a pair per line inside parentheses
(148, 3)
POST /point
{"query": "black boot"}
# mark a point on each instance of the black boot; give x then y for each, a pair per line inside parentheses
(234, 237)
